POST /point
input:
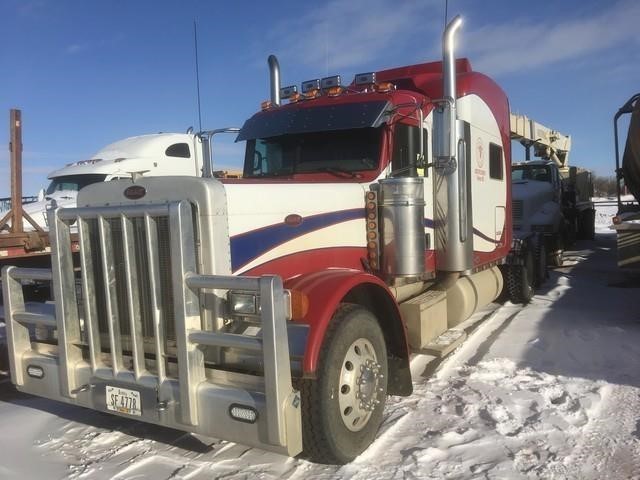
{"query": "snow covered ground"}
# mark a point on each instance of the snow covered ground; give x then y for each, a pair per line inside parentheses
(549, 391)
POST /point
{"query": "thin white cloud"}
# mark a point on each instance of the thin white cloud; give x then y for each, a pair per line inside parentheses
(341, 35)
(528, 44)
(80, 47)
(76, 48)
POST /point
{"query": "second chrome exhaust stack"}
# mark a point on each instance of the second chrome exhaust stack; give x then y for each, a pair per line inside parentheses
(274, 75)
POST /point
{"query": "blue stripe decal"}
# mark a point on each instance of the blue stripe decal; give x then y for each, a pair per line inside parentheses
(428, 223)
(250, 245)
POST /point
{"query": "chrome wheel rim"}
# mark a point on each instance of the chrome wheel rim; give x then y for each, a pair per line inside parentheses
(360, 384)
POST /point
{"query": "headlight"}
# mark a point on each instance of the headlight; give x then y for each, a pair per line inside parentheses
(296, 304)
(244, 303)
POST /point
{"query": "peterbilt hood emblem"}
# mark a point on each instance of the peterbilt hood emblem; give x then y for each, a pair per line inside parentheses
(135, 192)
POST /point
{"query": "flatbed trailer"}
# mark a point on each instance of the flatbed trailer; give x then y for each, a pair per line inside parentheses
(15, 242)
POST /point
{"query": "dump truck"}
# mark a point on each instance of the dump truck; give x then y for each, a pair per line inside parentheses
(626, 223)
(279, 310)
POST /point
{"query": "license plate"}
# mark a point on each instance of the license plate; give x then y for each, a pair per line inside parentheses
(123, 400)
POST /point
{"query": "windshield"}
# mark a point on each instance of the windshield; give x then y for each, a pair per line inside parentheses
(531, 172)
(73, 182)
(338, 152)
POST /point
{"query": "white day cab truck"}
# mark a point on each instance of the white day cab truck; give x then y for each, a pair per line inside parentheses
(280, 309)
(626, 223)
(158, 154)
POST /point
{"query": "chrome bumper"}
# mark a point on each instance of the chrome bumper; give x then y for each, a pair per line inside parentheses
(78, 365)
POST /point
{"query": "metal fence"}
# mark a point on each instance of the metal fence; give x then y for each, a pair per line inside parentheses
(5, 203)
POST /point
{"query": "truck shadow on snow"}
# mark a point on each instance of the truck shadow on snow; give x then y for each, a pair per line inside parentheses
(584, 321)
(105, 421)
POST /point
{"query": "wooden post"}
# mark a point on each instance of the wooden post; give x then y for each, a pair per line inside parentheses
(15, 147)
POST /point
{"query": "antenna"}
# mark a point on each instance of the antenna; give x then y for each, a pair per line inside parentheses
(446, 13)
(195, 39)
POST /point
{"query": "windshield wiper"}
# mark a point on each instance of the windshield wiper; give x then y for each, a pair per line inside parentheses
(276, 173)
(337, 171)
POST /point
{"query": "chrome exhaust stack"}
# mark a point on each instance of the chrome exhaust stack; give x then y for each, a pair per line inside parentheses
(274, 75)
(449, 83)
(453, 225)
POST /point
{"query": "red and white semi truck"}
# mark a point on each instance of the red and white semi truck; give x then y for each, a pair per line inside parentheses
(280, 309)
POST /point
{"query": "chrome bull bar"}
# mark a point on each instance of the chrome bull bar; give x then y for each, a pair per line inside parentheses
(81, 365)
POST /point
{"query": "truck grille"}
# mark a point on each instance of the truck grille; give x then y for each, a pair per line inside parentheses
(516, 206)
(125, 296)
(141, 271)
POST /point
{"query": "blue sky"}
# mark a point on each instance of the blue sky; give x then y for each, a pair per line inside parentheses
(87, 73)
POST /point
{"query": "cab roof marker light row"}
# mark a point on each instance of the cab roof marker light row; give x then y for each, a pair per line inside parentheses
(330, 82)
(310, 85)
(288, 92)
(365, 78)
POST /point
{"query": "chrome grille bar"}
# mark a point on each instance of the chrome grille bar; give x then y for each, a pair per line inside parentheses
(187, 310)
(64, 291)
(109, 278)
(151, 229)
(133, 298)
(89, 295)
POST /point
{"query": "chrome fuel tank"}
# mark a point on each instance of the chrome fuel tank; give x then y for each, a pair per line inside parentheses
(402, 226)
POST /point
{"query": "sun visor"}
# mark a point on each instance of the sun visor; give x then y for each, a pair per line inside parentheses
(276, 122)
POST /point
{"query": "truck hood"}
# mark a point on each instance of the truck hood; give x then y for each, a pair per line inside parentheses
(123, 166)
(253, 226)
(38, 210)
(532, 190)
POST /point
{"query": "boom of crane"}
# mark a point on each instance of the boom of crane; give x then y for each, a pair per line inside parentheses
(547, 143)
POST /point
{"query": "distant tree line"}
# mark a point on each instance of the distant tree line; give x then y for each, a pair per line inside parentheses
(604, 186)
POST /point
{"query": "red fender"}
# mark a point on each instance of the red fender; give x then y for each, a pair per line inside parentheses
(326, 290)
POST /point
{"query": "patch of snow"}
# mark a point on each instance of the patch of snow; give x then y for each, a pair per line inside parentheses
(546, 391)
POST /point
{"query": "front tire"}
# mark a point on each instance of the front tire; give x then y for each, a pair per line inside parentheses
(519, 279)
(342, 408)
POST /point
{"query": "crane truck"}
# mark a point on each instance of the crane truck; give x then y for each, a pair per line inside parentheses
(280, 310)
(626, 223)
(551, 205)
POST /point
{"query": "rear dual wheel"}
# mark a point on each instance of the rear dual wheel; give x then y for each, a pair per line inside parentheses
(540, 262)
(342, 409)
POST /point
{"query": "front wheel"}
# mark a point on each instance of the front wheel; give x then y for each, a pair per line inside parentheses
(342, 408)
(519, 279)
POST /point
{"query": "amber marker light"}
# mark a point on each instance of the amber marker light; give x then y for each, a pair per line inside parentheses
(312, 94)
(384, 87)
(299, 304)
(266, 105)
(335, 91)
